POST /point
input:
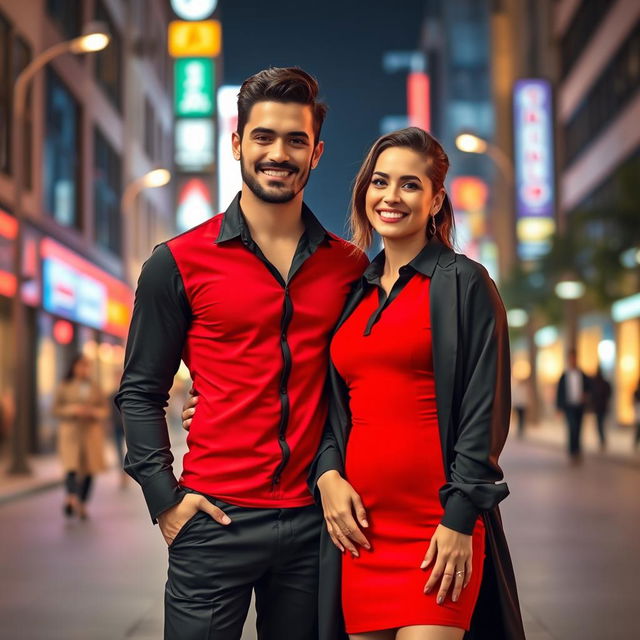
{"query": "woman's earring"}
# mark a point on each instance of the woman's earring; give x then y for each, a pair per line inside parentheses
(433, 225)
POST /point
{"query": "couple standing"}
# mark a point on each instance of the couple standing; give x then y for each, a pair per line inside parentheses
(382, 391)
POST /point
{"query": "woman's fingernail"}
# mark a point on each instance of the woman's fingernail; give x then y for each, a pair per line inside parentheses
(455, 598)
(226, 519)
(427, 590)
(440, 599)
(365, 523)
(424, 564)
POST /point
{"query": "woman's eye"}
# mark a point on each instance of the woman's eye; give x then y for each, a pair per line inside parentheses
(412, 186)
(377, 182)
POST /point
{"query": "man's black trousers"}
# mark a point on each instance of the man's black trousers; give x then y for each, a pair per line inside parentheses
(213, 570)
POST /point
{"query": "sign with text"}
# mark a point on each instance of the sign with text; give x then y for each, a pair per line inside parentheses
(534, 166)
(194, 39)
(194, 81)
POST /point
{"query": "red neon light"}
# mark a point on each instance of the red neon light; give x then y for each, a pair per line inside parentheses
(7, 284)
(62, 332)
(419, 100)
(8, 225)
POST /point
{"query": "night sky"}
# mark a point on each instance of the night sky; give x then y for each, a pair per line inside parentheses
(342, 44)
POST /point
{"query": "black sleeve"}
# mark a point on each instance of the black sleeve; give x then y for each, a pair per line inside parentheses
(329, 456)
(485, 408)
(161, 317)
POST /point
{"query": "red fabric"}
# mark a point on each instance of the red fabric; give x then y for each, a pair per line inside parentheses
(394, 461)
(234, 354)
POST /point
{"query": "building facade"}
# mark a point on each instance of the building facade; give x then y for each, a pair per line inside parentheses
(93, 124)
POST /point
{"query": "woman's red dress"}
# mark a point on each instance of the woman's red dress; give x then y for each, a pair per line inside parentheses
(394, 461)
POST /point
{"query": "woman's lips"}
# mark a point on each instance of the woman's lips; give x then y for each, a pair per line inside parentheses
(391, 216)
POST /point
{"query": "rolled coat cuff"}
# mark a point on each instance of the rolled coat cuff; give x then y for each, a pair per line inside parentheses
(161, 492)
(460, 514)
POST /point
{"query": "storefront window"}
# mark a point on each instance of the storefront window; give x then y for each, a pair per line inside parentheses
(106, 195)
(61, 153)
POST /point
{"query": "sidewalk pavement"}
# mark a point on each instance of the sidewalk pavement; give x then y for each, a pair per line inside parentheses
(551, 432)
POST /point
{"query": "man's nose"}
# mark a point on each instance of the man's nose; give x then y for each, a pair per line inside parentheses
(278, 152)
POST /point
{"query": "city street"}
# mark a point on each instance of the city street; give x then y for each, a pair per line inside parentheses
(573, 534)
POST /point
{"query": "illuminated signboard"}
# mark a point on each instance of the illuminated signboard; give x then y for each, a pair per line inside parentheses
(194, 79)
(194, 9)
(8, 233)
(229, 179)
(194, 204)
(194, 149)
(419, 100)
(534, 166)
(194, 39)
(77, 290)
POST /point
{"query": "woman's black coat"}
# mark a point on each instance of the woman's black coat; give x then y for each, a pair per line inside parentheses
(472, 366)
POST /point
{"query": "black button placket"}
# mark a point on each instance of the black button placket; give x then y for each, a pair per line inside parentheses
(304, 251)
(384, 301)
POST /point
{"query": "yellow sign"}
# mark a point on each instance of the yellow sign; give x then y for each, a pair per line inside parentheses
(202, 39)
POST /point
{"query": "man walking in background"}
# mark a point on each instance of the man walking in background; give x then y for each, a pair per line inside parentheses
(571, 399)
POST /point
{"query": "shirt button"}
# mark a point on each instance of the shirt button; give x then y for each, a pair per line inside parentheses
(283, 391)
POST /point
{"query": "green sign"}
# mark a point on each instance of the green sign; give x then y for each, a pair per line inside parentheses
(194, 87)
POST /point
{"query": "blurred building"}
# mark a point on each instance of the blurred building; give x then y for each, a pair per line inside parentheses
(94, 124)
(589, 52)
(598, 110)
(455, 41)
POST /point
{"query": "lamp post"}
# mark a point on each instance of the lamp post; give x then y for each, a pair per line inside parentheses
(570, 290)
(94, 38)
(150, 180)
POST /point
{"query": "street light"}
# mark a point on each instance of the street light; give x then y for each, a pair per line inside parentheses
(471, 143)
(150, 180)
(570, 290)
(94, 38)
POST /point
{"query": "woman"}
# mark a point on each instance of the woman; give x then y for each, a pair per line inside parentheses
(407, 470)
(81, 409)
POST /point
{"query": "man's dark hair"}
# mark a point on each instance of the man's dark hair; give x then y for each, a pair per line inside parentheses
(281, 84)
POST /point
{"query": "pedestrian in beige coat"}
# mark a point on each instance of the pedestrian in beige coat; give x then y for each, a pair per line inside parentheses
(81, 408)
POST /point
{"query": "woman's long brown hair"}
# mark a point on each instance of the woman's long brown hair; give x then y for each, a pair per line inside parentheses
(423, 143)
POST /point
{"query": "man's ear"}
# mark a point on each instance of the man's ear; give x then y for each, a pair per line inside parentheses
(235, 144)
(317, 153)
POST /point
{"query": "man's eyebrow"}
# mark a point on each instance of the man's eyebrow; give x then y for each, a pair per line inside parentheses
(386, 175)
(271, 132)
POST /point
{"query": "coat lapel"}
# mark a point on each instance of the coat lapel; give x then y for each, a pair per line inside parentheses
(444, 327)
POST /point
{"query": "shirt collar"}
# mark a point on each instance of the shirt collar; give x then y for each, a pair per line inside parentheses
(234, 225)
(424, 263)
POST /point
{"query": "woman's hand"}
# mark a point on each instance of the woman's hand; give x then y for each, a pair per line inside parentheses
(189, 409)
(340, 502)
(452, 553)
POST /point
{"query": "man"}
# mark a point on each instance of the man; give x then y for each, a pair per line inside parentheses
(248, 300)
(571, 398)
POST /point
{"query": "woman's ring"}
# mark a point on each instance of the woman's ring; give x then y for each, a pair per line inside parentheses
(459, 573)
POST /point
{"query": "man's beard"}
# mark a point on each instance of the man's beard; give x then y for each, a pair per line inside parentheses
(279, 197)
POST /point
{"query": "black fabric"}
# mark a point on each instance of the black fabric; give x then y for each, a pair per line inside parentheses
(423, 263)
(574, 415)
(214, 569)
(81, 489)
(473, 390)
(561, 392)
(159, 325)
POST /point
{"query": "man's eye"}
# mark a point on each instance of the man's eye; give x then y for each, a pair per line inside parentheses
(298, 141)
